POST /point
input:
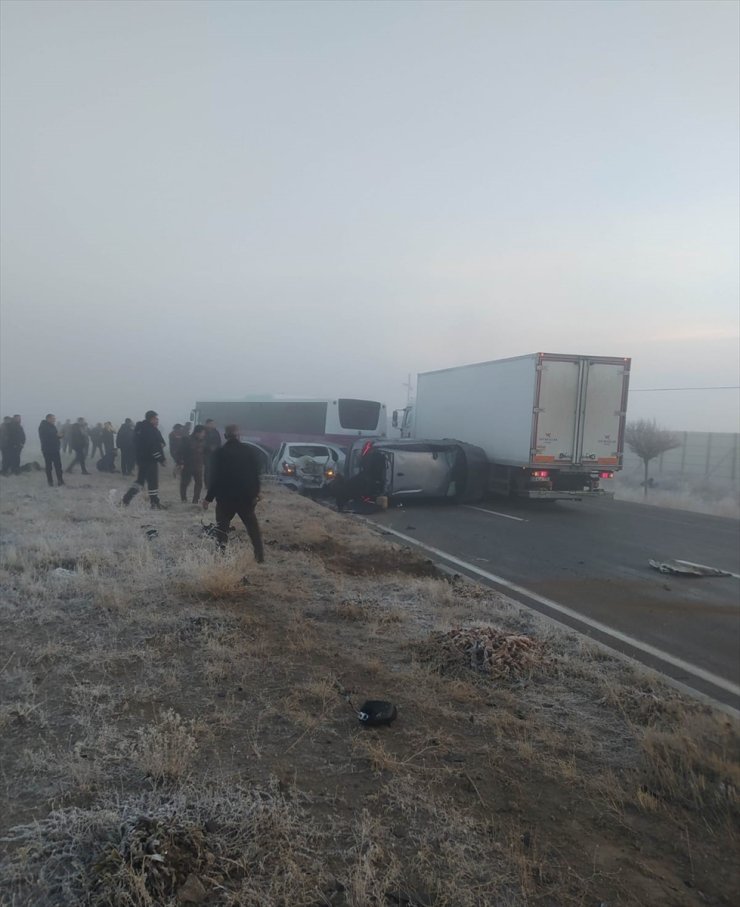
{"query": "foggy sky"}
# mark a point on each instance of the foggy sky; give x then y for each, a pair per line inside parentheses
(217, 199)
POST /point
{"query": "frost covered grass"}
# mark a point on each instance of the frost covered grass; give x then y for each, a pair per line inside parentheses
(174, 726)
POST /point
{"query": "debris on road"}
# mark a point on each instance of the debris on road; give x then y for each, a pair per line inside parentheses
(683, 568)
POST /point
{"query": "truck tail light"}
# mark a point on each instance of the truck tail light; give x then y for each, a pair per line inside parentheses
(606, 475)
(288, 469)
(540, 474)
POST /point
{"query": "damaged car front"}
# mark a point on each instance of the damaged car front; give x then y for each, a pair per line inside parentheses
(307, 467)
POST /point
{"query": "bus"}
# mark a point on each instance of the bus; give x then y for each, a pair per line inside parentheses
(271, 420)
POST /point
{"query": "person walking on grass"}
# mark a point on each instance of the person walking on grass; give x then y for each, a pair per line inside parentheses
(79, 441)
(50, 447)
(149, 456)
(235, 485)
(191, 458)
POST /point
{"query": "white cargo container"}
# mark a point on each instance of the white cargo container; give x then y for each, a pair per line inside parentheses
(552, 425)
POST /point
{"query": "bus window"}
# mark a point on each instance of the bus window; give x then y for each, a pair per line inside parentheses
(359, 415)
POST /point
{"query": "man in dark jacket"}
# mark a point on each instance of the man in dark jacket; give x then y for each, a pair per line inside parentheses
(125, 443)
(50, 447)
(191, 458)
(14, 440)
(235, 484)
(79, 442)
(149, 454)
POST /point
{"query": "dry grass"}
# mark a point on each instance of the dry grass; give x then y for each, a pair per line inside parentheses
(153, 690)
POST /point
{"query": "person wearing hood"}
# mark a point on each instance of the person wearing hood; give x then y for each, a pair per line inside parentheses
(149, 456)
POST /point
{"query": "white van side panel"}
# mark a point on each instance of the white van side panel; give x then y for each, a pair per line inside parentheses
(489, 404)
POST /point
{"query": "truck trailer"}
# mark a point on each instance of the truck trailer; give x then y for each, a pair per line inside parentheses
(552, 425)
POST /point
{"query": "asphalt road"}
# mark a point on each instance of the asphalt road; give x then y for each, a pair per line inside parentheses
(586, 565)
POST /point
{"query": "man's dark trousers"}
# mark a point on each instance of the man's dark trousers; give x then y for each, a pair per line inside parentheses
(148, 475)
(80, 455)
(52, 459)
(244, 508)
(128, 460)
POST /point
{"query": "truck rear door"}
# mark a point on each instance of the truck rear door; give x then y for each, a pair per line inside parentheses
(556, 410)
(604, 401)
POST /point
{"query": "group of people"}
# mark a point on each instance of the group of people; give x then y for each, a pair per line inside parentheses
(232, 473)
(229, 468)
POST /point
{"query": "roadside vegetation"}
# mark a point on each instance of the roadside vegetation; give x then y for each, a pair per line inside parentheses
(177, 726)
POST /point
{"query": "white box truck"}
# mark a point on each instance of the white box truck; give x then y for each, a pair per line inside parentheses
(552, 425)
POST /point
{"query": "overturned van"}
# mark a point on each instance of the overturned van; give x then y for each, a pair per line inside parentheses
(404, 468)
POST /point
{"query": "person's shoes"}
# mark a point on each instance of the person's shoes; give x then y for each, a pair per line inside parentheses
(51, 484)
(85, 472)
(60, 482)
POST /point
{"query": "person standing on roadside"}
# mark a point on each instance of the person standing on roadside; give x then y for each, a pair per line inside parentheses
(191, 459)
(125, 443)
(15, 439)
(213, 443)
(235, 485)
(149, 456)
(79, 442)
(50, 448)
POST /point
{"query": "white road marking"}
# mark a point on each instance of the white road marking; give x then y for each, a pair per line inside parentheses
(679, 663)
(496, 513)
(704, 567)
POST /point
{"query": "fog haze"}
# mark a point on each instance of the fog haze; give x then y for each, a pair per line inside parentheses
(220, 199)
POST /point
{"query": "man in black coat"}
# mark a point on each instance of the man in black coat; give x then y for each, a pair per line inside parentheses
(125, 443)
(235, 484)
(50, 447)
(149, 456)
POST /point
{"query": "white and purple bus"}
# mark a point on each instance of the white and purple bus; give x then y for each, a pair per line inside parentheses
(270, 420)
